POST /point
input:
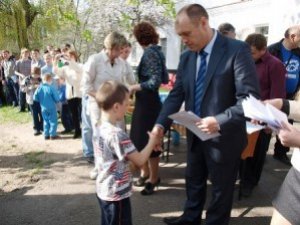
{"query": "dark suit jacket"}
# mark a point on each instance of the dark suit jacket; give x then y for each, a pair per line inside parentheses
(230, 77)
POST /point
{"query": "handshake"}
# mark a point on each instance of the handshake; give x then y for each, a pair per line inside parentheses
(156, 138)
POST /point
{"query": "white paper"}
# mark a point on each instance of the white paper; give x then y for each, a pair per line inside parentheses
(189, 119)
(251, 128)
(256, 110)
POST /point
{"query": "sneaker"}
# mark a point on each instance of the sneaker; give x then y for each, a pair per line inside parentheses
(94, 173)
(47, 137)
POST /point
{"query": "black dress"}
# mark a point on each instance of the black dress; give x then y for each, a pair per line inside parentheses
(147, 102)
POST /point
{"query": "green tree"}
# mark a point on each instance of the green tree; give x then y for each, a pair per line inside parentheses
(17, 17)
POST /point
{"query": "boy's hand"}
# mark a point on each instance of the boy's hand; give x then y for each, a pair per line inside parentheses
(154, 141)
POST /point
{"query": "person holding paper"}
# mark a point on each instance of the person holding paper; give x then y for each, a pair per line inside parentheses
(214, 75)
(286, 203)
(287, 50)
(271, 76)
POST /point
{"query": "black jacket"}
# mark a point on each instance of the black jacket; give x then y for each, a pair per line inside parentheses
(275, 49)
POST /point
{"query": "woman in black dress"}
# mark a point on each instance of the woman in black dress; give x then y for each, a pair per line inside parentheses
(147, 104)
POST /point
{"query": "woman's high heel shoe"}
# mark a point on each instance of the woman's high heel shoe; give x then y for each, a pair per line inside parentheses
(149, 187)
(140, 182)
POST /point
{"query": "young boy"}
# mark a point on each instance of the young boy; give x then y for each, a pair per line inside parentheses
(31, 84)
(113, 150)
(47, 96)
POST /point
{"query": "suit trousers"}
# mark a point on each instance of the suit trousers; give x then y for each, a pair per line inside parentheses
(223, 175)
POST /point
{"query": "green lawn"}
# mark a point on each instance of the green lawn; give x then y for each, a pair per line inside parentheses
(10, 114)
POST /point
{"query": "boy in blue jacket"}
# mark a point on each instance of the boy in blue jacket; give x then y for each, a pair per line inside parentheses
(47, 96)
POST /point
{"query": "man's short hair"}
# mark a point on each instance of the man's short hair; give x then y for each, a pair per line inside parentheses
(114, 39)
(194, 12)
(110, 93)
(292, 30)
(224, 28)
(259, 41)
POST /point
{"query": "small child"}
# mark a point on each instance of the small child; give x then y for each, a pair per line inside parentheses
(31, 84)
(113, 150)
(47, 96)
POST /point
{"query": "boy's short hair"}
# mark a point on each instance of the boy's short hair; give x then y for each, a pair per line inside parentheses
(47, 77)
(109, 93)
(36, 70)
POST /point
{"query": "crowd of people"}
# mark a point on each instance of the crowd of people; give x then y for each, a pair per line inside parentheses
(215, 74)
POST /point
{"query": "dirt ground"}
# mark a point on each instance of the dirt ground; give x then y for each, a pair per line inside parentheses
(36, 169)
(47, 183)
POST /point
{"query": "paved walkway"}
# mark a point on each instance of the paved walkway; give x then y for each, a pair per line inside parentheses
(80, 207)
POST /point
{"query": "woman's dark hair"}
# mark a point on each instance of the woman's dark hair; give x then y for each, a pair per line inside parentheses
(145, 34)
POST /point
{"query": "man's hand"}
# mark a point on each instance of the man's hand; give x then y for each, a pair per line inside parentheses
(276, 102)
(208, 125)
(159, 133)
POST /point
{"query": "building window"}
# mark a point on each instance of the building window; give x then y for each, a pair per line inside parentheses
(263, 29)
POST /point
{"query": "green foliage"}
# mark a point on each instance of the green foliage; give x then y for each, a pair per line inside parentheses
(87, 35)
(9, 114)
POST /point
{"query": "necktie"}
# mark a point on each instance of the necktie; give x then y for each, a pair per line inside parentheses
(200, 83)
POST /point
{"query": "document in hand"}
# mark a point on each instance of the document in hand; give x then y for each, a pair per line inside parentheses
(189, 119)
(256, 110)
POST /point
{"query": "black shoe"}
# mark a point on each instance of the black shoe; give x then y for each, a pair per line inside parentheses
(178, 220)
(90, 159)
(282, 158)
(140, 182)
(246, 191)
(54, 137)
(37, 132)
(76, 135)
(47, 137)
(66, 131)
(149, 187)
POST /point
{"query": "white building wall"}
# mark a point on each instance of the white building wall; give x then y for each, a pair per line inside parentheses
(244, 15)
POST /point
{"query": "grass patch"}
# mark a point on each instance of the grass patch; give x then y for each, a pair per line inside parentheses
(33, 158)
(10, 114)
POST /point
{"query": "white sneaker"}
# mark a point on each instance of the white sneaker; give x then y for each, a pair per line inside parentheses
(94, 173)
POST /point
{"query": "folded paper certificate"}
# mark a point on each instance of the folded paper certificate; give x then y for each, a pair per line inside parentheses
(256, 110)
(189, 119)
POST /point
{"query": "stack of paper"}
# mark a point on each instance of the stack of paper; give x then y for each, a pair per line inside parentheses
(266, 113)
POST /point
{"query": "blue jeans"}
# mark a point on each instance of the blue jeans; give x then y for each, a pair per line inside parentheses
(36, 113)
(115, 212)
(87, 131)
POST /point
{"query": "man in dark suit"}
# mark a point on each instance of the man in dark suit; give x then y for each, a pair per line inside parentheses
(229, 76)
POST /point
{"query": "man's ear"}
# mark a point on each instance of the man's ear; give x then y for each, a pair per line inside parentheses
(293, 36)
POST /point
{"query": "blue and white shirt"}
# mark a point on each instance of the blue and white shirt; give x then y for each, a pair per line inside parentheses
(111, 147)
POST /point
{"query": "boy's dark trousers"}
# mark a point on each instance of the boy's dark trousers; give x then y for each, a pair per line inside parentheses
(115, 212)
(37, 116)
(66, 119)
